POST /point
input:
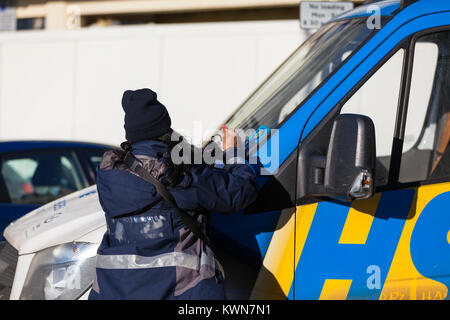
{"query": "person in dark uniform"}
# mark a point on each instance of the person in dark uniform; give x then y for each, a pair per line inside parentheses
(147, 251)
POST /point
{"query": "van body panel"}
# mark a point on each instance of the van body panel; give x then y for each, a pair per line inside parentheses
(392, 246)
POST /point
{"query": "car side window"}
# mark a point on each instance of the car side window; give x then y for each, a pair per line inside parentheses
(426, 151)
(95, 160)
(378, 99)
(91, 158)
(38, 178)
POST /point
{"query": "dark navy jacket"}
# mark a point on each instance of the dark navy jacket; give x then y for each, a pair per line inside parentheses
(147, 252)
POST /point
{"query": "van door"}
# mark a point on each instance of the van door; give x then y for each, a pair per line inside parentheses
(421, 266)
(395, 244)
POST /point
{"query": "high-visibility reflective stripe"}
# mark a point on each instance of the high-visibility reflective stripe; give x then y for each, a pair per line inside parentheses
(171, 259)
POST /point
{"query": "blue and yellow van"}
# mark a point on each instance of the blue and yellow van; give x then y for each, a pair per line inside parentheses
(357, 205)
(353, 153)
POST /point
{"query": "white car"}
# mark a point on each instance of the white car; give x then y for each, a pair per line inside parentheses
(50, 253)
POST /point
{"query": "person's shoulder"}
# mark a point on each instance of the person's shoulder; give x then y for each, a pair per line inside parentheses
(110, 159)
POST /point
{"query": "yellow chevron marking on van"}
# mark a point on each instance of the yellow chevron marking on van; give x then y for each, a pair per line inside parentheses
(305, 216)
(276, 277)
(335, 289)
(359, 221)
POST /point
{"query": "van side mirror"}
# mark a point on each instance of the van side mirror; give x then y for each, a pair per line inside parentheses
(351, 157)
(346, 170)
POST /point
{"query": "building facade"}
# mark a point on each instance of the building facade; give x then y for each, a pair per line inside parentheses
(71, 14)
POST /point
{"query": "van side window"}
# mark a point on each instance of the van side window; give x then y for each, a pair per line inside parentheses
(378, 99)
(426, 151)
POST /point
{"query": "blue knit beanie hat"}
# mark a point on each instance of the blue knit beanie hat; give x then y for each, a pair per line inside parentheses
(145, 117)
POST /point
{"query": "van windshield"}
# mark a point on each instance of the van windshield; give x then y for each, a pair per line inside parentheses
(300, 74)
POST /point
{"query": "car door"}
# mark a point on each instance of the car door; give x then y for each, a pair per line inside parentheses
(395, 244)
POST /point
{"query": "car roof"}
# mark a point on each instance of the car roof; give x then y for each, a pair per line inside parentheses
(23, 145)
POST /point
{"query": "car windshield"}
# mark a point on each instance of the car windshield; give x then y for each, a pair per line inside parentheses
(300, 74)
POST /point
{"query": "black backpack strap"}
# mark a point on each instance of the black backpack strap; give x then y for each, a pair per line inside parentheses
(134, 165)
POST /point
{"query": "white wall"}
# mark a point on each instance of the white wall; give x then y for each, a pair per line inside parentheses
(69, 84)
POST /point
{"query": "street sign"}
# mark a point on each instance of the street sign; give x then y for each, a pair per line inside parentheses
(313, 14)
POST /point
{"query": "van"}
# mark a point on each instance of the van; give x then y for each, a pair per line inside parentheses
(357, 205)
